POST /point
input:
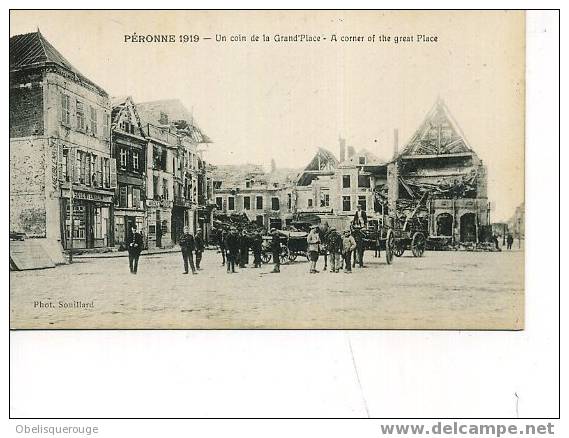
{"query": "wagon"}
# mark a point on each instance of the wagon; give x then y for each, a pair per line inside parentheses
(293, 244)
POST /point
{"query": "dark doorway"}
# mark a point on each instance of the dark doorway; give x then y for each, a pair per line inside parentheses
(444, 224)
(158, 229)
(468, 227)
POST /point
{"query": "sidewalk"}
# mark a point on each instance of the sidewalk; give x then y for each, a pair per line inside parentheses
(104, 255)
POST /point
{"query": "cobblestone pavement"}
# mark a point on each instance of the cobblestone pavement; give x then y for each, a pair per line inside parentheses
(458, 290)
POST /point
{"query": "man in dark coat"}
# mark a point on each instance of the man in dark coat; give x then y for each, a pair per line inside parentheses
(334, 247)
(187, 244)
(199, 247)
(134, 246)
(276, 250)
(510, 240)
(243, 249)
(359, 251)
(257, 246)
(360, 218)
(221, 236)
(232, 245)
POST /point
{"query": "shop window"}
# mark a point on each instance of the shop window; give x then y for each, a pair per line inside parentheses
(346, 182)
(78, 221)
(247, 203)
(346, 203)
(275, 204)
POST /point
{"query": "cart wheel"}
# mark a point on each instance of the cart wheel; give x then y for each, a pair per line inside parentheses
(418, 244)
(398, 249)
(389, 246)
(292, 256)
(266, 257)
(284, 254)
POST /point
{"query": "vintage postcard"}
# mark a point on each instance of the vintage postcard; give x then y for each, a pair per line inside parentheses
(267, 169)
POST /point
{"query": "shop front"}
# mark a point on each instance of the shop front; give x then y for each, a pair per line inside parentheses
(91, 218)
(158, 220)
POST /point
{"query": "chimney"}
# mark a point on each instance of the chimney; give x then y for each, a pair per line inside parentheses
(351, 152)
(342, 149)
(273, 165)
(395, 143)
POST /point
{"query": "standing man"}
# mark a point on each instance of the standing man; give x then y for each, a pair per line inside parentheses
(348, 245)
(134, 246)
(232, 245)
(359, 251)
(313, 240)
(360, 217)
(324, 232)
(276, 250)
(199, 248)
(257, 246)
(510, 240)
(187, 245)
(243, 248)
(222, 235)
(334, 247)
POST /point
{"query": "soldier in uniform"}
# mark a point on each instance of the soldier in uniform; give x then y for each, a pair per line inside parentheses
(200, 246)
(335, 249)
(359, 251)
(134, 246)
(187, 245)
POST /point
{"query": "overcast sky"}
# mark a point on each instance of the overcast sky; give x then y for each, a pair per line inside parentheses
(259, 101)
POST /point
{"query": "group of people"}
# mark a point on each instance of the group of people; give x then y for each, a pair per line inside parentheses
(234, 246)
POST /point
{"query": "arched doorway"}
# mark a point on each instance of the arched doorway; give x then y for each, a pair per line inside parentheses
(468, 227)
(444, 224)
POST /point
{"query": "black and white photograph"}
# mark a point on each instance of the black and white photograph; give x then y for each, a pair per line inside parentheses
(208, 170)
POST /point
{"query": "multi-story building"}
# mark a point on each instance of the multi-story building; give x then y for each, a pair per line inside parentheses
(267, 199)
(59, 149)
(129, 144)
(178, 189)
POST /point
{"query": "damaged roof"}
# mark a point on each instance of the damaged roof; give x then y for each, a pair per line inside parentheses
(323, 162)
(32, 50)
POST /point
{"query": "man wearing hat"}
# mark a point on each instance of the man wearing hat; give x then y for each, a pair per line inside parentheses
(334, 247)
(232, 245)
(276, 250)
(348, 245)
(134, 245)
(314, 242)
(199, 247)
(187, 245)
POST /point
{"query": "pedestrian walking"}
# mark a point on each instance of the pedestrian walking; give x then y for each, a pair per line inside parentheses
(187, 245)
(334, 247)
(200, 246)
(348, 245)
(276, 250)
(134, 246)
(232, 245)
(257, 246)
(510, 240)
(314, 242)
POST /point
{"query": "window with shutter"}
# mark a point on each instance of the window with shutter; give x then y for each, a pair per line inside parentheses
(65, 110)
(113, 173)
(80, 115)
(136, 198)
(94, 120)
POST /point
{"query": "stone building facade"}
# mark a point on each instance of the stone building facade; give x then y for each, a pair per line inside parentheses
(59, 146)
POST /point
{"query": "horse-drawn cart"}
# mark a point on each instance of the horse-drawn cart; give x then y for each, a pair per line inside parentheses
(293, 244)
